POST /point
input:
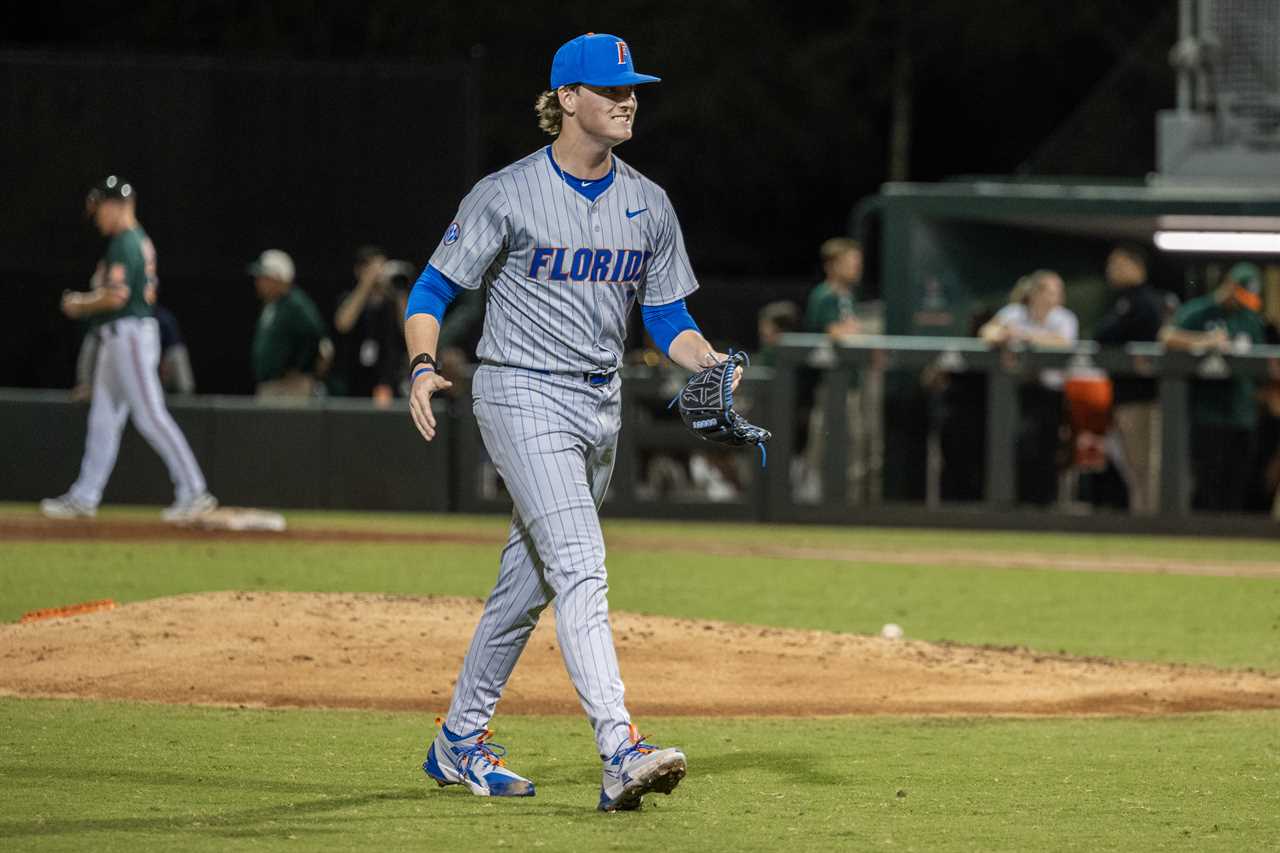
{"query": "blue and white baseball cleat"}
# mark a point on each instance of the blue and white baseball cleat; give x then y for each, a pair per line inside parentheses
(636, 769)
(474, 761)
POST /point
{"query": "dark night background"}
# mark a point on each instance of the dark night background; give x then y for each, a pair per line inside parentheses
(318, 126)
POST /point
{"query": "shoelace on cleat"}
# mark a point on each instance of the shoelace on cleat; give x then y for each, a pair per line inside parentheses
(491, 752)
(637, 745)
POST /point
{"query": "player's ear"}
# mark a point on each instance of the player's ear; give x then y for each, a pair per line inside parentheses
(568, 98)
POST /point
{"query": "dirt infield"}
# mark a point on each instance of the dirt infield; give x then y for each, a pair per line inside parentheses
(33, 527)
(373, 651)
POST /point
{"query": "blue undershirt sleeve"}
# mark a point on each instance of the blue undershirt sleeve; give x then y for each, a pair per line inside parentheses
(431, 294)
(665, 322)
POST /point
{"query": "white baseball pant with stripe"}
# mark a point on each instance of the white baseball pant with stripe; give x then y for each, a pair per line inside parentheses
(126, 384)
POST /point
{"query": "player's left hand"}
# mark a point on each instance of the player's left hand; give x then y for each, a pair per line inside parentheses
(714, 358)
(420, 402)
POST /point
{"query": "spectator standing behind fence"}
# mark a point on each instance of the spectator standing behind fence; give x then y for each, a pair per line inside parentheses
(831, 310)
(1224, 413)
(772, 322)
(1136, 314)
(290, 345)
(1041, 320)
(370, 348)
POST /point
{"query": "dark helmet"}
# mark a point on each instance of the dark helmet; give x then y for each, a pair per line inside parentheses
(112, 187)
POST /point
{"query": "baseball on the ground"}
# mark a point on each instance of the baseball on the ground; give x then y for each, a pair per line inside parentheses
(891, 631)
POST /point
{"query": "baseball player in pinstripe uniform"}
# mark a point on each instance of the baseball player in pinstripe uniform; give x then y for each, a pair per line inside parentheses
(564, 241)
(125, 381)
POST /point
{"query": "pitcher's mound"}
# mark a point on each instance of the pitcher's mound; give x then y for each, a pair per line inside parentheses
(374, 651)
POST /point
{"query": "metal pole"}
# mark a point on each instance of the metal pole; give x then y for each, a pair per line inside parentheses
(1175, 446)
(835, 458)
(781, 406)
(1185, 12)
(1204, 30)
(1002, 435)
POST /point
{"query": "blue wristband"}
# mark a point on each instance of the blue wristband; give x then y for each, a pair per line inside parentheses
(421, 370)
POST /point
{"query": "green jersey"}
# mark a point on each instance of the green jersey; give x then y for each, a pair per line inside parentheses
(132, 252)
(1222, 402)
(827, 306)
(288, 336)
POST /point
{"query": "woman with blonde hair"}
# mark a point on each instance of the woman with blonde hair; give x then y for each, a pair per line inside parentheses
(1040, 320)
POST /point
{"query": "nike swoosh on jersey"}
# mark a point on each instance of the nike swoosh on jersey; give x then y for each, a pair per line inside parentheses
(632, 214)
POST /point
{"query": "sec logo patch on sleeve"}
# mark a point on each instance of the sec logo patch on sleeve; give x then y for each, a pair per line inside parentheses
(452, 233)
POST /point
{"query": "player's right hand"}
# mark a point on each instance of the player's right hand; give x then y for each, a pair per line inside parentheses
(420, 402)
(71, 304)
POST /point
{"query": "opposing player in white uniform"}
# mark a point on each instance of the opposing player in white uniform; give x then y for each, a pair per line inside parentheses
(125, 379)
(565, 241)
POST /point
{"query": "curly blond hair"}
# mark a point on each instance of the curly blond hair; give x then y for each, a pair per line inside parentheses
(550, 113)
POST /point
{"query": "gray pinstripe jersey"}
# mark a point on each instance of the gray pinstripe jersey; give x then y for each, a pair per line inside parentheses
(563, 271)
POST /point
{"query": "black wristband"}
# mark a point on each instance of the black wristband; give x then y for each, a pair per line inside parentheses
(423, 358)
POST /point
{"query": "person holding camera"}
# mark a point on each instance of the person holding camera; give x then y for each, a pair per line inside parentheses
(370, 352)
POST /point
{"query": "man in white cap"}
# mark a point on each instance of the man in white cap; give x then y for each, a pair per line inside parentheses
(290, 345)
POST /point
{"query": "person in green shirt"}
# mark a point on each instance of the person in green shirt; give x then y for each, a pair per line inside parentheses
(1224, 413)
(831, 310)
(291, 347)
(126, 385)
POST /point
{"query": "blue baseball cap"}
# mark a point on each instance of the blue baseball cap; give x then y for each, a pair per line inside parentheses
(596, 59)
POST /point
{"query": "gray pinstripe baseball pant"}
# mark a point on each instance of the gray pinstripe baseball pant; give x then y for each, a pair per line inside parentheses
(552, 438)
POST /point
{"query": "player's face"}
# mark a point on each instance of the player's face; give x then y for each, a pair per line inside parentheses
(269, 289)
(1123, 269)
(606, 112)
(104, 216)
(1047, 296)
(846, 267)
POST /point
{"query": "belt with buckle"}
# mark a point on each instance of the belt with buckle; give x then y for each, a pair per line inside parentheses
(591, 377)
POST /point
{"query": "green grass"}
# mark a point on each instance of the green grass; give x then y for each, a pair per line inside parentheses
(1222, 621)
(1213, 549)
(108, 776)
(118, 776)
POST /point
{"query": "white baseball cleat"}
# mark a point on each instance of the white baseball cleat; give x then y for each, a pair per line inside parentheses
(65, 506)
(636, 769)
(185, 510)
(475, 761)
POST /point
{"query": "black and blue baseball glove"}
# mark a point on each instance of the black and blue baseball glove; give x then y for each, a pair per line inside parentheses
(706, 406)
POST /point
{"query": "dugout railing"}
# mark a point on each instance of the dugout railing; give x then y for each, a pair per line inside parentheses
(349, 454)
(1005, 368)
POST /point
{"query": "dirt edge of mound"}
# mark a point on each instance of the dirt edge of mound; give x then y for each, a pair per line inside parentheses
(368, 651)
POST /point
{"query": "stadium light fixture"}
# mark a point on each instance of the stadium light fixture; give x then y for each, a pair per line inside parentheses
(1221, 242)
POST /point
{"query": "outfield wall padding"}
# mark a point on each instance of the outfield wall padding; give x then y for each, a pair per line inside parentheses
(339, 454)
